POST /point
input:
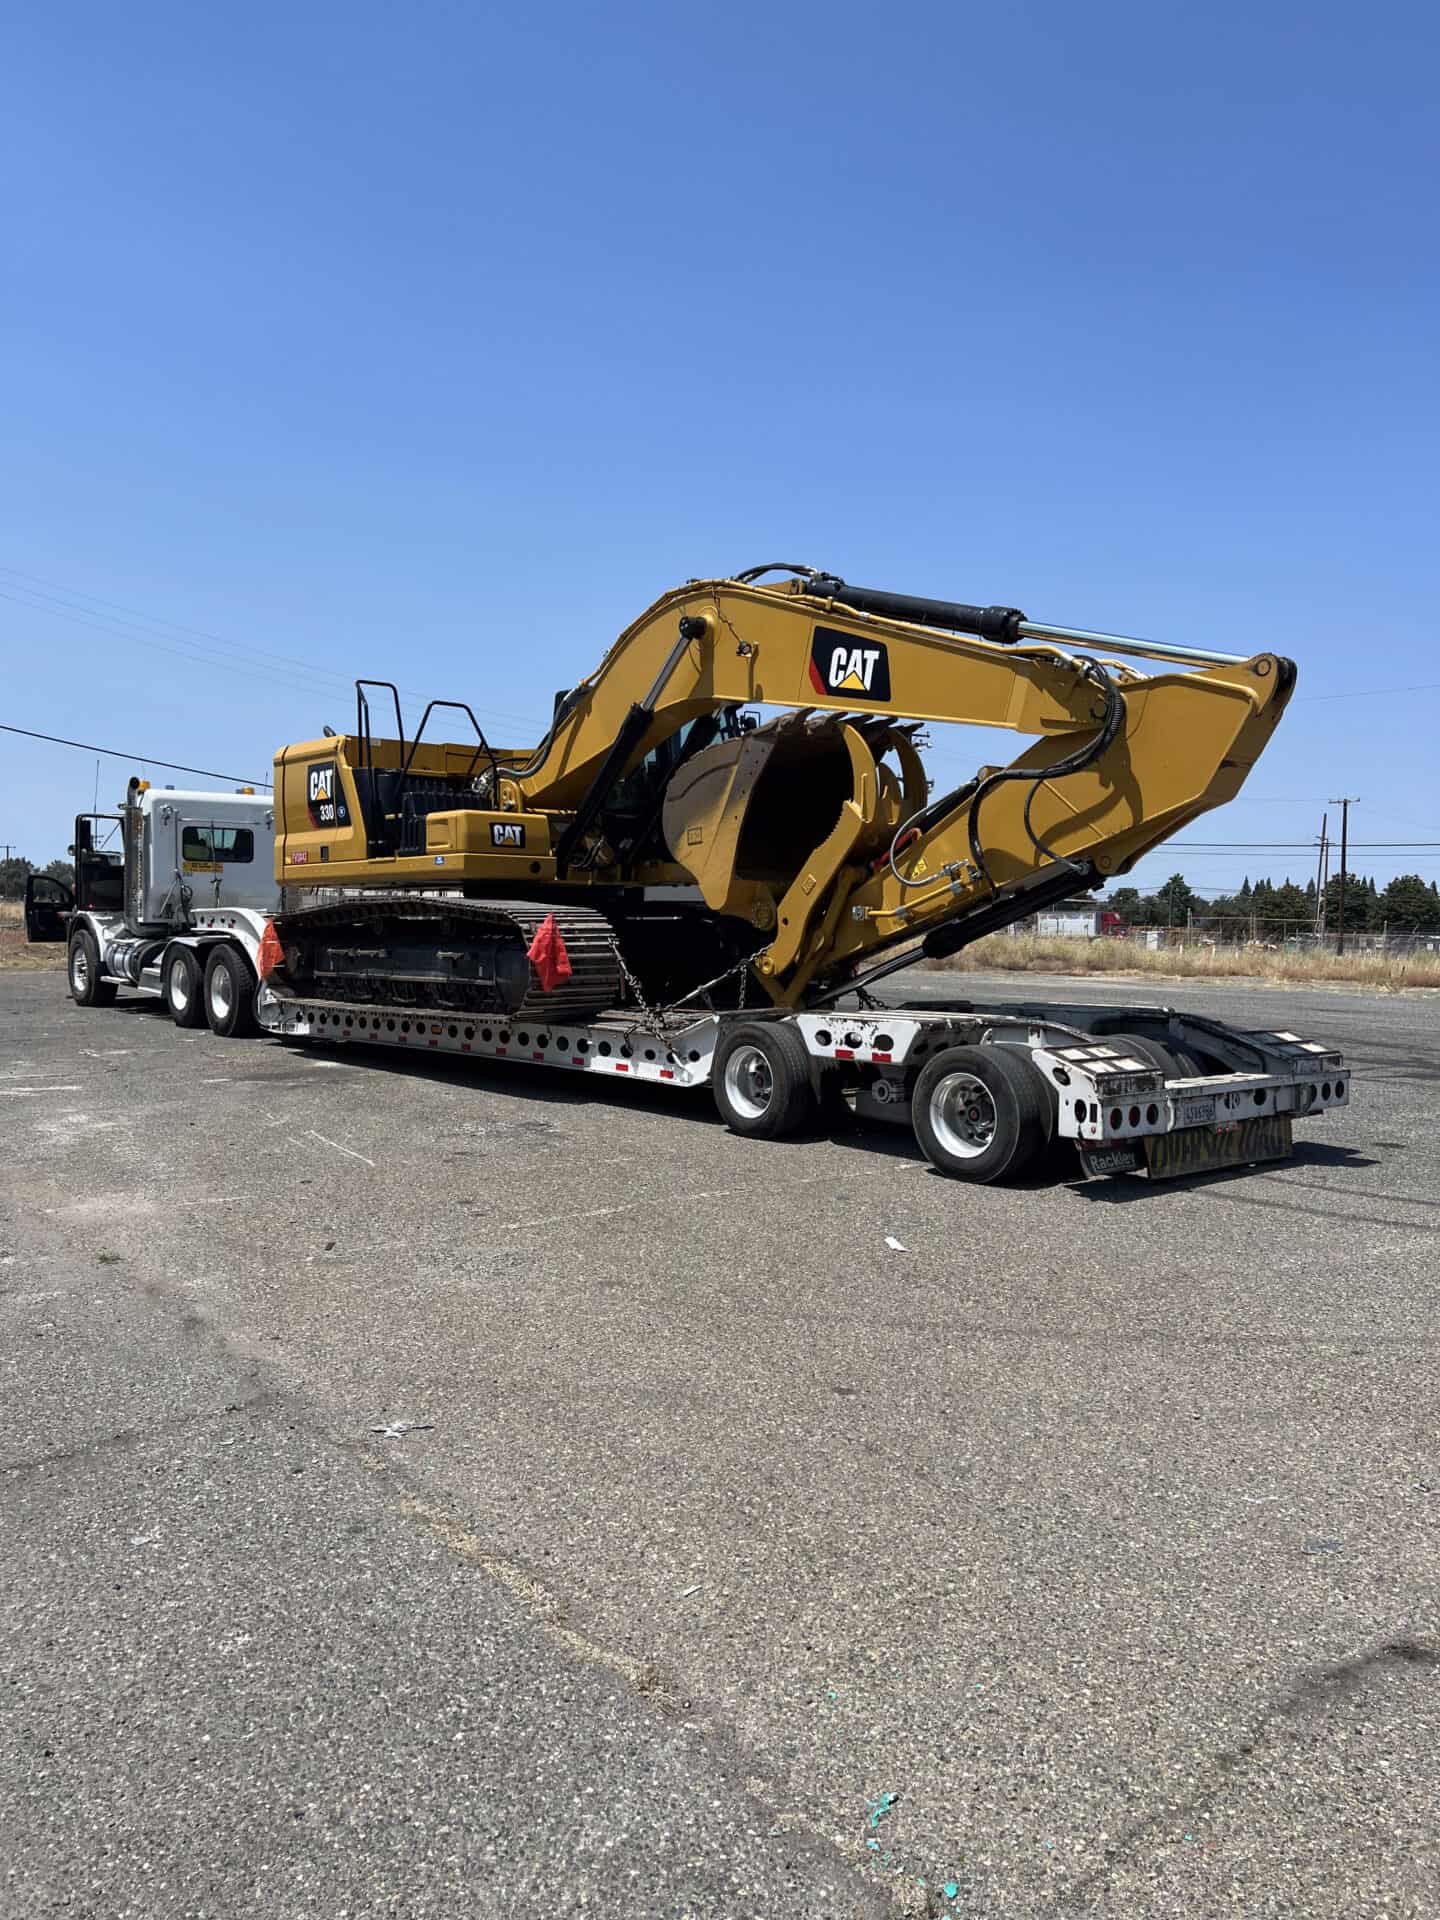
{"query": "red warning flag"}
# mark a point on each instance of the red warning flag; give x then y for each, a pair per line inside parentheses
(270, 954)
(548, 956)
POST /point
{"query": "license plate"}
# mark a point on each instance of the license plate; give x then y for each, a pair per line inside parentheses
(1197, 1113)
(1267, 1136)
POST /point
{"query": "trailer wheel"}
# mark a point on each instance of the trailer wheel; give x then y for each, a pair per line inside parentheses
(979, 1113)
(184, 987)
(1174, 1066)
(761, 1081)
(229, 993)
(87, 989)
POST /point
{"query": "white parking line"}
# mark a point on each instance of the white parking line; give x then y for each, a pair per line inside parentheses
(337, 1146)
(17, 1093)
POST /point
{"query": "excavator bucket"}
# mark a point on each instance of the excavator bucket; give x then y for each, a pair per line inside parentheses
(744, 816)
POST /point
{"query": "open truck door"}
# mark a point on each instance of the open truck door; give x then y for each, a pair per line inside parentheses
(48, 906)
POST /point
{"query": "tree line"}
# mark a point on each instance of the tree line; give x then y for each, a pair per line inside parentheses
(1407, 904)
(16, 871)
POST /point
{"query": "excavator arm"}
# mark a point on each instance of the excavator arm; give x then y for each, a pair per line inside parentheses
(1121, 761)
(815, 833)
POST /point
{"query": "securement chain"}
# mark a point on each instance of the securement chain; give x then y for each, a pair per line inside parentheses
(663, 1019)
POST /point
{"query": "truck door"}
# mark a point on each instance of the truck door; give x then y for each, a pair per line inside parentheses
(48, 906)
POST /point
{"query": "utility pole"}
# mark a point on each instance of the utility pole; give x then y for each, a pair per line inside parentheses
(1345, 802)
(1321, 876)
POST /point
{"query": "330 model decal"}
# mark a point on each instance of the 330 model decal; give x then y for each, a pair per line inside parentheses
(325, 795)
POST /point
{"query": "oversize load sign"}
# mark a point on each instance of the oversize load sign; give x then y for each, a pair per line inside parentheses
(325, 796)
(1266, 1136)
(849, 669)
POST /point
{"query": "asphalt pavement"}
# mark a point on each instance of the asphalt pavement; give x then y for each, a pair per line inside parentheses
(436, 1490)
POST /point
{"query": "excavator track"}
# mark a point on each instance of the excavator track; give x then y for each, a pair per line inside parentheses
(464, 956)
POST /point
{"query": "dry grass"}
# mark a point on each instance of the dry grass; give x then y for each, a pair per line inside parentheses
(1019, 953)
(1025, 953)
(15, 955)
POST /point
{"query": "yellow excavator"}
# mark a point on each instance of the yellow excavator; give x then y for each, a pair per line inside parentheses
(680, 848)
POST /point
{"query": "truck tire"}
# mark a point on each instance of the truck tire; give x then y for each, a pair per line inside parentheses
(761, 1081)
(980, 1113)
(183, 987)
(87, 989)
(229, 993)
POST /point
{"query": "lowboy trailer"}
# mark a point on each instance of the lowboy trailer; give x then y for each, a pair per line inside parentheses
(988, 1090)
(181, 911)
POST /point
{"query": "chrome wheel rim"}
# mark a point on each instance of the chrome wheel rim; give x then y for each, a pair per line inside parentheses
(962, 1115)
(221, 996)
(79, 967)
(749, 1083)
(179, 979)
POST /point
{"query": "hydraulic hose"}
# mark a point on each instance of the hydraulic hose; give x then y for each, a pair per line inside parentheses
(975, 791)
(1110, 725)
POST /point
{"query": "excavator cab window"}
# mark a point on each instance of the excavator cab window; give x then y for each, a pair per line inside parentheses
(632, 811)
(640, 789)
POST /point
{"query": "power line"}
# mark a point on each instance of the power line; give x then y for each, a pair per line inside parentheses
(1369, 693)
(145, 759)
(135, 636)
(1294, 846)
(286, 669)
(149, 619)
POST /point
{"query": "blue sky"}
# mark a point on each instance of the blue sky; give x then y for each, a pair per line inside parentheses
(434, 342)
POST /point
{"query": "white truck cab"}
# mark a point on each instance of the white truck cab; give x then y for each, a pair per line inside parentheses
(171, 897)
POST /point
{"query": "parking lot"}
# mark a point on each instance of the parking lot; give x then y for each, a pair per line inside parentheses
(431, 1490)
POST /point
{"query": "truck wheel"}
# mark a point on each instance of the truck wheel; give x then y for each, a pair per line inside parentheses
(979, 1113)
(184, 987)
(229, 993)
(761, 1081)
(87, 989)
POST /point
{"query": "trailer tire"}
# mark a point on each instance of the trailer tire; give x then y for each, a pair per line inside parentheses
(183, 987)
(82, 966)
(229, 993)
(761, 1081)
(1174, 1065)
(980, 1113)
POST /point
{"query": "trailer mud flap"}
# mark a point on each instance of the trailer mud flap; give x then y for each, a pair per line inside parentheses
(1168, 1156)
(1267, 1136)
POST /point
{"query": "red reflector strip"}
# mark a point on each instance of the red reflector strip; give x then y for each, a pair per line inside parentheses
(502, 1049)
(464, 1046)
(844, 1053)
(537, 1056)
(667, 1073)
(622, 1066)
(879, 1056)
(577, 1060)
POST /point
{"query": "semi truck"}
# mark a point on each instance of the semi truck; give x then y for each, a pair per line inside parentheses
(672, 888)
(171, 899)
